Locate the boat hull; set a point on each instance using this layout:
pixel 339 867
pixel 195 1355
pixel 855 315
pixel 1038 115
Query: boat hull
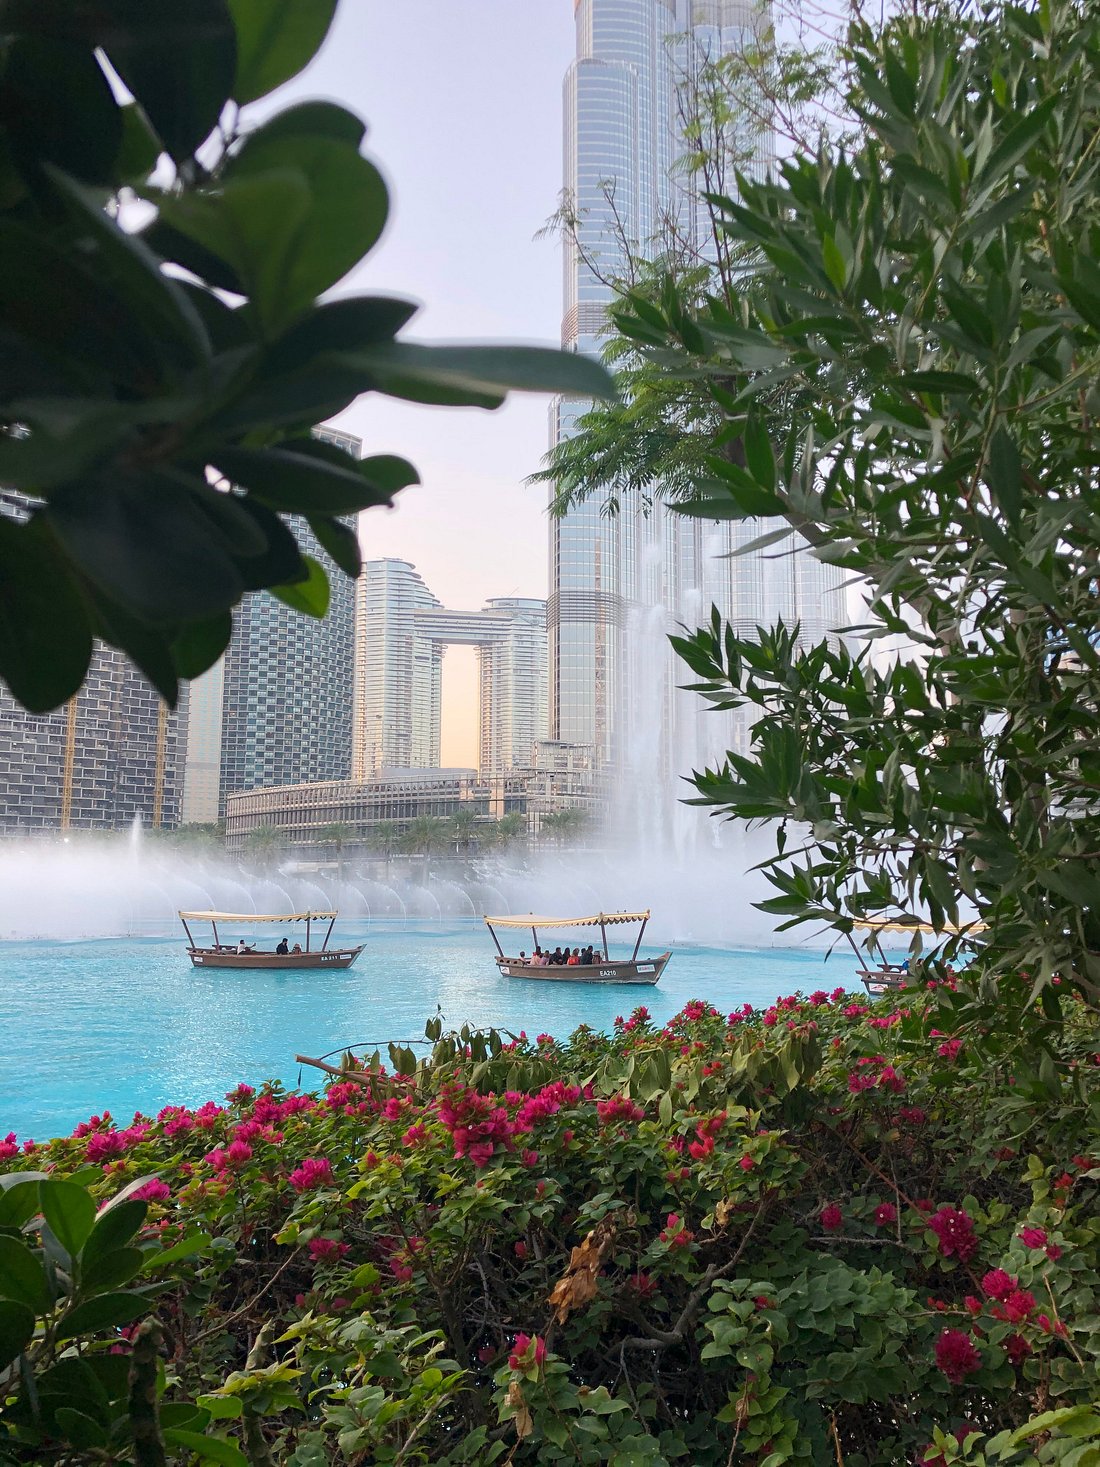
pixel 641 971
pixel 321 958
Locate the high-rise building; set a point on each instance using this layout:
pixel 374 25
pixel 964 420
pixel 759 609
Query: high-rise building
pixel 114 752
pixel 402 633
pixel 286 687
pixel 619 585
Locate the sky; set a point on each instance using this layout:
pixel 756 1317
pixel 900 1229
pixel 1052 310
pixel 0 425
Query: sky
pixel 463 102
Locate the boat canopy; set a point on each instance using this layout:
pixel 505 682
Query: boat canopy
pixel 948 929
pixel 601 919
pixel 258 916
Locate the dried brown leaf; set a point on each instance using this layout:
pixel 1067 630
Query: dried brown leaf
pixel 522 1419
pixel 579 1284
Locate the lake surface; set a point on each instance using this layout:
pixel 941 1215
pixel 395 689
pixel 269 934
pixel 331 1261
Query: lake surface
pixel 129 1025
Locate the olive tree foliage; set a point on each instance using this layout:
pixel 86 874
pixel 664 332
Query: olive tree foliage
pixel 907 379
pixel 166 331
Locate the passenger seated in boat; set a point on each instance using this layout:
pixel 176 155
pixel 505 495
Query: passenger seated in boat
pixel 522 959
pixel 574 958
pixel 241 947
pixel 297 948
pixel 586 956
pixel 283 948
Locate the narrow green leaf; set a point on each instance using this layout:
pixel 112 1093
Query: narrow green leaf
pixel 478 375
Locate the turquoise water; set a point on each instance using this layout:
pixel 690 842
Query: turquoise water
pixel 129 1025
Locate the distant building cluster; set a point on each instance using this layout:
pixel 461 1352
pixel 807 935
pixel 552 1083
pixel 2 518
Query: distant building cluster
pixel 309 724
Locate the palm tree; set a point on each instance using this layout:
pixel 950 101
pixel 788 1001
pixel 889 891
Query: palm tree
pixel 424 835
pixel 264 843
pixel 336 835
pixel 560 825
pixel 509 828
pixel 385 836
pixel 463 823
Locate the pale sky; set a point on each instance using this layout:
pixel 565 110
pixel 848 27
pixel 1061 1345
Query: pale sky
pixel 463 102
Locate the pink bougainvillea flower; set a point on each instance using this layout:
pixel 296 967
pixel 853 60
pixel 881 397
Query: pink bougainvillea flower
pixel 312 1173
pixel 955 1230
pixel 527 1350
pixel 996 1284
pixel 9 1146
pixel 1019 1306
pixel 327 1250
pixel 746 1163
pixel 831 1217
pixel 885 1213
pixel 1017 1349
pixel 957 1356
pixel 1033 1237
pixel 949 1049
pixel 154 1191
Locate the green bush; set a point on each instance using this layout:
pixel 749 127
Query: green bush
pixel 833 1230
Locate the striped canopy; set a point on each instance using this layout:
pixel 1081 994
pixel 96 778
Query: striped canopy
pixel 602 919
pixel 947 930
pixel 257 917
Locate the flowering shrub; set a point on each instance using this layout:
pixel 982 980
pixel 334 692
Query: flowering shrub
pixel 815 1233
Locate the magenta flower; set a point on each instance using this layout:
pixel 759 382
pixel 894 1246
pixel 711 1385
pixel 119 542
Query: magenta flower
pixel 885 1214
pixel 831 1217
pixel 1033 1237
pixel 957 1356
pixel 997 1284
pixel 527 1350
pixel 955 1230
pixel 314 1172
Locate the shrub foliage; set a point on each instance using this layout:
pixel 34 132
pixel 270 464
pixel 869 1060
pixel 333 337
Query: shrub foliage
pixel 830 1230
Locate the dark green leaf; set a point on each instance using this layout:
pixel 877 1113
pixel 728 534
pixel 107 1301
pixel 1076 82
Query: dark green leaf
pixel 146 544
pixel 58 108
pixel 343 325
pixel 147 648
pixel 192 1243
pixel 21 1276
pixel 139 149
pixel 256 224
pixel 275 41
pixel 1003 473
pixel 106 1311
pixel 478 375
pixel 1019 139
pixel 111 1270
pixel 197 646
pixel 19 1197
pixel 758 453
pixel 124 265
pixel 312 120
pixel 310 595
pixel 341 542
pixel 45 637
pixel 346 212
pixel 179 61
pixel 70 1212
pixel 16 1330
pixel 80 1430
pixel 114 1228
pixel 207 1448
pixel 297 478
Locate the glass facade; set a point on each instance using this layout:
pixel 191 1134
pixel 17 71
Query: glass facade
pixel 402 634
pixel 287 681
pixel 620 585
pixel 113 753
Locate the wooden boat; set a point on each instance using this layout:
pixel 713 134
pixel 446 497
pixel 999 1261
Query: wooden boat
pixel 218 954
pixel 608 970
pixel 885 977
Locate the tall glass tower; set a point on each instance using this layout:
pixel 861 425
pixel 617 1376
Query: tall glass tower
pixel 619 585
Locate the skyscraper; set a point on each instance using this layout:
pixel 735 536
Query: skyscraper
pixel 619 585
pixel 402 634
pixel 287 681
pixel 112 753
